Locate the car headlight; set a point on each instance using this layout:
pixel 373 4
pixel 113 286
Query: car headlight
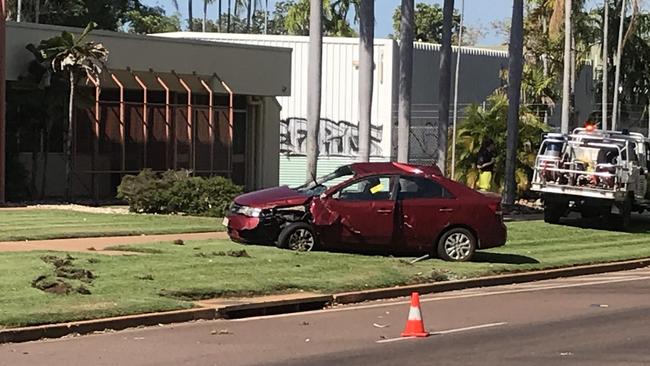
pixel 249 211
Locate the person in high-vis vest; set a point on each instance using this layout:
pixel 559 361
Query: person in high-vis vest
pixel 485 164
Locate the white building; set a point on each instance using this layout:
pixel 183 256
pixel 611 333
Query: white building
pixel 339 110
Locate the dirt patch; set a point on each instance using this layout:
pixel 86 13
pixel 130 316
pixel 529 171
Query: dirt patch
pixel 81 208
pixel 74 273
pixel 146 277
pixel 67 277
pixel 58 262
pixel 52 285
pixel 231 253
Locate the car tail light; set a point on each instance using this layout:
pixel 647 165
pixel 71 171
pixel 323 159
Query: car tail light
pixel 496 208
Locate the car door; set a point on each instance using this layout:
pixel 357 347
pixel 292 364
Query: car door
pixel 425 208
pixel 366 211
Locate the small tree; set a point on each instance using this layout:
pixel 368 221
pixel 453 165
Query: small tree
pixel 71 56
pixel 491 122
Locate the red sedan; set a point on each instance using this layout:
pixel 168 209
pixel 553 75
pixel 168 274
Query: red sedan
pixel 388 207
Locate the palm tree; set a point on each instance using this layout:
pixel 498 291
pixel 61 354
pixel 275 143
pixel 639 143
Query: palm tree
pixel 190 20
pixel 621 46
pixel 566 72
pixel 76 59
pixel 515 70
pixel 366 63
pixel 205 14
pixel 405 80
pixel 444 83
pixel 605 62
pixel 228 26
pixel 314 84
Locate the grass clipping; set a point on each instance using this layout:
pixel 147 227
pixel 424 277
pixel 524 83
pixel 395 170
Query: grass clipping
pixel 66 278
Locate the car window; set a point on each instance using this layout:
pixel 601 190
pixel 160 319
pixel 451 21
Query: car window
pixel 417 187
pixel 367 189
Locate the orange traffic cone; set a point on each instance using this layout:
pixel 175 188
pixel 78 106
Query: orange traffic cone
pixel 414 324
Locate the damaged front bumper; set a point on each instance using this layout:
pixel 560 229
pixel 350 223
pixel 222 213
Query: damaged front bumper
pixel 245 229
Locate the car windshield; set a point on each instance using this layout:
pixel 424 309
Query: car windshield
pixel 320 185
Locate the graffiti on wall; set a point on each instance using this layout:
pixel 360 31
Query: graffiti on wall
pixel 335 138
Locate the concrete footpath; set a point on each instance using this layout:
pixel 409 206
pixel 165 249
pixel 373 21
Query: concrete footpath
pixel 99 244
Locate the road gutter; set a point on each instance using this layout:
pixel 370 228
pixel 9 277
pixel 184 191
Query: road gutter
pixel 307 303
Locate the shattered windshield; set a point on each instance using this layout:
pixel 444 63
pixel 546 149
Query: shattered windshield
pixel 320 185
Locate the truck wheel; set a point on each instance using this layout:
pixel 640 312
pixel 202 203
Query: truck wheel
pixel 552 214
pixel 622 220
pixel 298 236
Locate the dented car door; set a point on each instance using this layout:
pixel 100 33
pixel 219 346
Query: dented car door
pixel 426 208
pixel 360 213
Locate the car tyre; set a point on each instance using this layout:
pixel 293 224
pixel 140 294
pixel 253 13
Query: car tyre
pixel 552 214
pixel 298 236
pixel 456 245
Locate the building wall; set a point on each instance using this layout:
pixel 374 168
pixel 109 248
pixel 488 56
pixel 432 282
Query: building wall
pixel 264 71
pixel 339 108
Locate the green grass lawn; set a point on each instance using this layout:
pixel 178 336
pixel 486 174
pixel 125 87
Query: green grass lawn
pixel 165 276
pixel 51 224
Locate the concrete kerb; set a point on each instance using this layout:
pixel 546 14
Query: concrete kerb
pixel 26 334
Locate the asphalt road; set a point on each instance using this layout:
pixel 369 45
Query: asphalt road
pixel 592 320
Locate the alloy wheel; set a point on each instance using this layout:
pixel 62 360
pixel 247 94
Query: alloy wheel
pixel 301 240
pixel 458 246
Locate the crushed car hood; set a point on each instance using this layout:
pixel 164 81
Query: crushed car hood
pixel 271 197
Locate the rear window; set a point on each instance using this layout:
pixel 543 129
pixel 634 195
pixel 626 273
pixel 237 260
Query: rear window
pixel 418 187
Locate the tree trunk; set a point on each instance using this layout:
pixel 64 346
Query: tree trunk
pixel 248 16
pixel 605 63
pixel 229 15
pixel 219 17
pixel 37 11
pixel 205 15
pixel 515 69
pixel 46 154
pixel 314 84
pixel 444 83
pixel 617 70
pixel 36 148
pixel 366 65
pixel 405 80
pixel 68 142
pixel 566 77
pixel 572 81
pixel 266 16
pixel 456 79
pixel 190 20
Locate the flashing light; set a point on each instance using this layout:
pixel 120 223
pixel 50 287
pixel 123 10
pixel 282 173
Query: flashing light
pixel 590 127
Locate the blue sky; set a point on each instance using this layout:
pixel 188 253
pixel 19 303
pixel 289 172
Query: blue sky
pixel 479 13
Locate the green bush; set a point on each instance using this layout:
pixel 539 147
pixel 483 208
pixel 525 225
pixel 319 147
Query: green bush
pixel 175 192
pixel 490 121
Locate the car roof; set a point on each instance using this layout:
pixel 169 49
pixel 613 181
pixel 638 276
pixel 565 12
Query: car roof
pixel 394 168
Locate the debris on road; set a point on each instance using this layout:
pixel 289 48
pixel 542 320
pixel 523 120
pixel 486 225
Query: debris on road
pixel 426 256
pixel 220 332
pixel 380 325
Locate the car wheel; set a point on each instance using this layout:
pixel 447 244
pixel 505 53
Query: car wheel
pixel 298 236
pixel 552 214
pixel 457 245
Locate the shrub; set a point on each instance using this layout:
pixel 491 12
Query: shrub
pixel 490 121
pixel 174 192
